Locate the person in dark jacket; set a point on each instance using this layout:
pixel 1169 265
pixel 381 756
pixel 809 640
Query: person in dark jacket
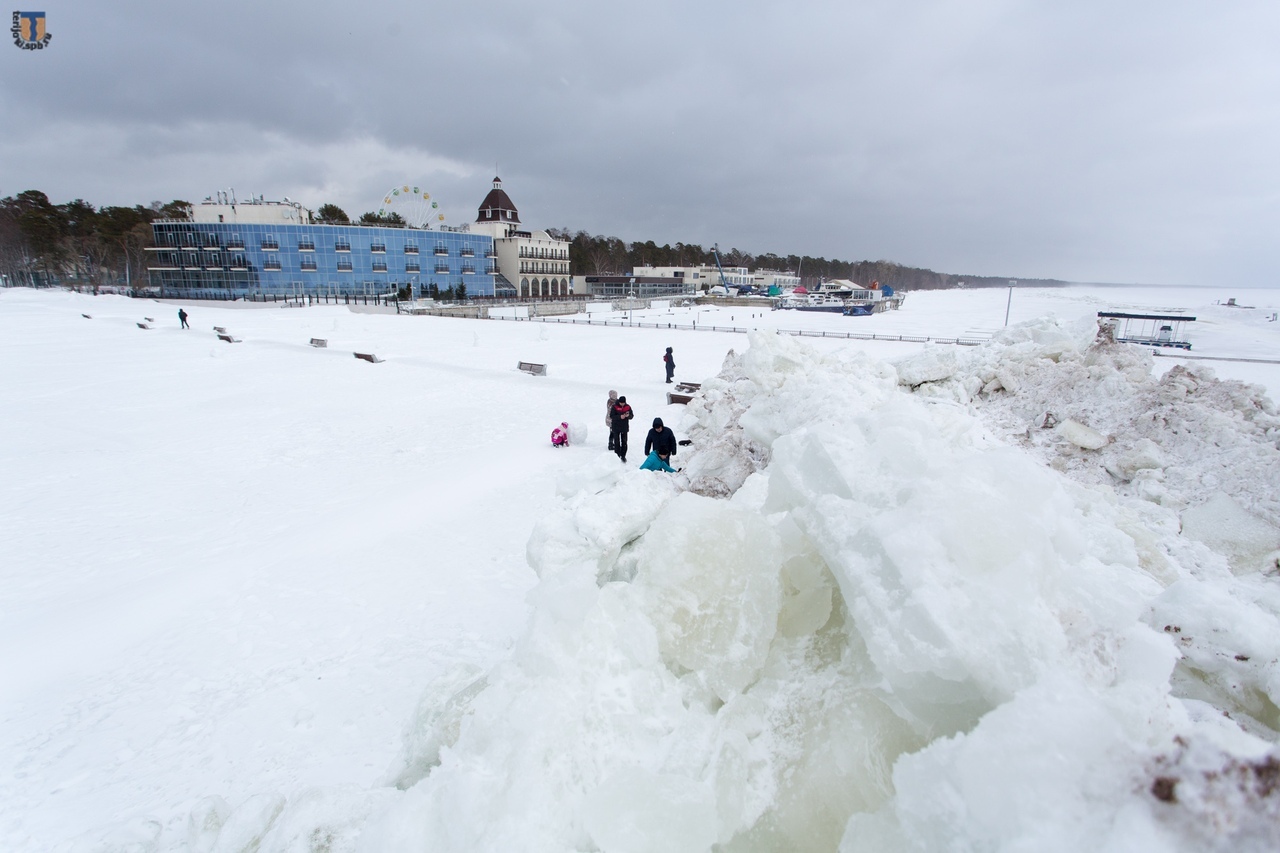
pixel 661 441
pixel 671 364
pixel 620 426
pixel 182 317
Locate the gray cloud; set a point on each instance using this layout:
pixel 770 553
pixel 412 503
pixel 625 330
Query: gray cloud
pixel 1090 141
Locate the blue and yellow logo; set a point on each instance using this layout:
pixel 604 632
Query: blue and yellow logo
pixel 30 31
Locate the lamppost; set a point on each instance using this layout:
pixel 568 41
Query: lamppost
pixel 631 300
pixel 1009 304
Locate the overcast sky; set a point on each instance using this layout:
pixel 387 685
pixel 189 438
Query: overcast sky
pixel 1134 141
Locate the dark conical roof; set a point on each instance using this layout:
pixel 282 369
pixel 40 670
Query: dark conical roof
pixel 497 206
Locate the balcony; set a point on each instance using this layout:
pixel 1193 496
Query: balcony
pixel 378 248
pixel 271 266
pixel 308 265
pixel 235 245
pixel 442 269
pixel 379 266
pixel 411 250
pixel 468 270
pixel 468 253
pixel 270 246
pixel 490 253
pixel 344 266
pixel 490 269
pixel 306 246
pixel 442 250
pixel 412 267
pixel 342 246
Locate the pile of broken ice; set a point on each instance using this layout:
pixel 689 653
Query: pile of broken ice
pixel 882 608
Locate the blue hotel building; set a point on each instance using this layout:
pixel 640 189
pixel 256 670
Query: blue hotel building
pixel 281 258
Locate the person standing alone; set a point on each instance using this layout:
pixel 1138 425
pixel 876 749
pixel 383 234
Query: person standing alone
pixel 182 318
pixel 620 425
pixel 671 364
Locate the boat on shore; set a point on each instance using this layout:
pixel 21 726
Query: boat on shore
pixel 840 296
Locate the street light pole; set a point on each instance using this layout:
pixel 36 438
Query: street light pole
pixel 1009 304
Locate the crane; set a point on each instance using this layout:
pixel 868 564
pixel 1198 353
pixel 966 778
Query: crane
pixel 715 248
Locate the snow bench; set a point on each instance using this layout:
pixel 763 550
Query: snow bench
pixel 228 339
pixel 368 356
pixel 531 368
pixel 144 326
pixel 220 330
pixel 319 342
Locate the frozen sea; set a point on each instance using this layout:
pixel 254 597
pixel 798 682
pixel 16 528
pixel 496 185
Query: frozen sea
pixel 903 596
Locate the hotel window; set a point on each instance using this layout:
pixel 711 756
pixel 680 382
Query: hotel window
pixel 379 266
pixel 379 248
pixel 270 244
pixel 412 266
pixel 342 245
pixel 344 265
pixel 411 248
pixel 306 245
pixel 308 264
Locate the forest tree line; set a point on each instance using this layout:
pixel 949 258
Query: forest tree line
pixel 46 243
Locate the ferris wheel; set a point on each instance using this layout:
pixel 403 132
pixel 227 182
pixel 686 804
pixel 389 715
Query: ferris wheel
pixel 415 206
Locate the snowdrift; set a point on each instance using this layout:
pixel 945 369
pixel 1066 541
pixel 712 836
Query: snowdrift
pixel 884 607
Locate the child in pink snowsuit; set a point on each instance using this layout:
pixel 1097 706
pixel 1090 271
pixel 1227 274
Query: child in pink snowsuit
pixel 560 436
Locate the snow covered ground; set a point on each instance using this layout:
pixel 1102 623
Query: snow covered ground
pixel 262 595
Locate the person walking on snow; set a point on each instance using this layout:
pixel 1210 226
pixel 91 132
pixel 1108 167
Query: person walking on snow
pixel 659 447
pixel 182 317
pixel 621 424
pixel 671 364
pixel 608 417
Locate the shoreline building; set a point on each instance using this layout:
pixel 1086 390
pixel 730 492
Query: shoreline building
pixel 700 277
pixel 531 264
pixel 633 286
pixel 274 248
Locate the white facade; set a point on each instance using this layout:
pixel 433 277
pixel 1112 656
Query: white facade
pixel 535 262
pixel 764 279
pixel 708 275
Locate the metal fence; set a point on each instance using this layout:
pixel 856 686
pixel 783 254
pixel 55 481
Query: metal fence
pixel 696 327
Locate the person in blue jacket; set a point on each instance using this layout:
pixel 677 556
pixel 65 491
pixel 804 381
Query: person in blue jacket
pixel 659 447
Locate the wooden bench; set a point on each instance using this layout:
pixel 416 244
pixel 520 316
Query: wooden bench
pixel 228 339
pixel 319 342
pixel 144 326
pixel 220 330
pixel 683 393
pixel 532 369
pixel 370 357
